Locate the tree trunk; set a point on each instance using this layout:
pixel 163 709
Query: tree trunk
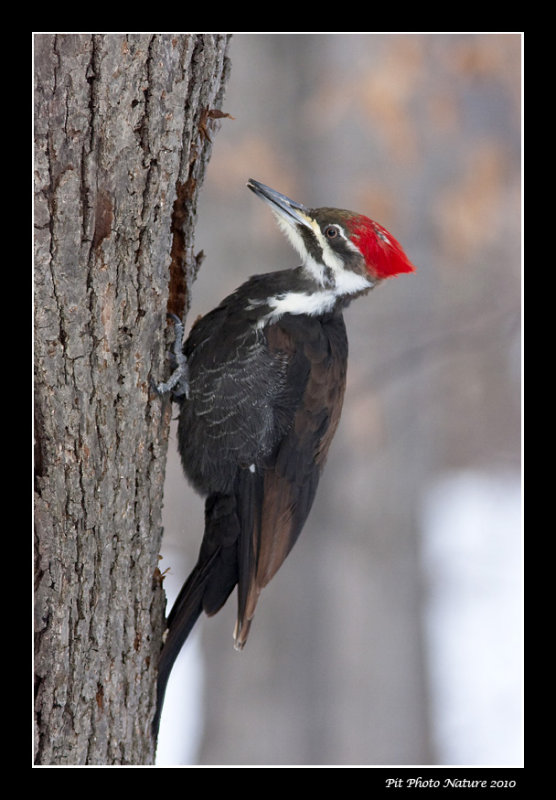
pixel 122 140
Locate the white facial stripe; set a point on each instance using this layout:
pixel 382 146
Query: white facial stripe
pixel 317 270
pixel 291 232
pixel 345 281
pixel 330 258
pixel 352 246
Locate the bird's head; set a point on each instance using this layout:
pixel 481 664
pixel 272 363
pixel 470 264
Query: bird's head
pixel 343 251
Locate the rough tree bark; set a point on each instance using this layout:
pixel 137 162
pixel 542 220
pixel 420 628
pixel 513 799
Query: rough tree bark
pixel 122 141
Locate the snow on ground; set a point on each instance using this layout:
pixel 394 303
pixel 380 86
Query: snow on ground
pixel 472 559
pixel 182 715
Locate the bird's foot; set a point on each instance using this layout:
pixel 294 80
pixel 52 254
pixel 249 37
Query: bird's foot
pixel 178 382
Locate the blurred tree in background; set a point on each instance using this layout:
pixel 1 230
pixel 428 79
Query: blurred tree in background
pixel 421 132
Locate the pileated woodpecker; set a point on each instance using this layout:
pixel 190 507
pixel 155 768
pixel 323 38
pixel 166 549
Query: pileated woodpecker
pixel 260 381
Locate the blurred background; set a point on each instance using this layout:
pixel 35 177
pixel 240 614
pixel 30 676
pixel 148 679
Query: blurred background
pixel 392 634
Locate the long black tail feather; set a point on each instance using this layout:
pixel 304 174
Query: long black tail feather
pixel 206 589
pixel 183 616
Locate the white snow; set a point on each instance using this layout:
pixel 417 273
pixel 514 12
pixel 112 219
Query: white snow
pixel 182 715
pixel 472 559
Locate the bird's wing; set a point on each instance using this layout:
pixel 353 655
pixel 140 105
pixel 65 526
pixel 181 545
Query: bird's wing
pixel 308 413
pixel 228 420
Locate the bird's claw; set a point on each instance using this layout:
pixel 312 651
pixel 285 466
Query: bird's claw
pixel 178 382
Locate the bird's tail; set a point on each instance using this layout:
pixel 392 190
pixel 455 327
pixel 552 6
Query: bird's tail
pixel 183 616
pixel 206 589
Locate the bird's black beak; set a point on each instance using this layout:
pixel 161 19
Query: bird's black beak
pixel 285 208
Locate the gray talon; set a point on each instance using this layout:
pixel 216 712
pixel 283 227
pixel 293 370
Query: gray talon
pixel 178 382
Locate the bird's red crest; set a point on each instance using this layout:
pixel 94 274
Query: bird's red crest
pixel 383 255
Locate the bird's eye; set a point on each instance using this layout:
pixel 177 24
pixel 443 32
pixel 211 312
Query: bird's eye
pixel 331 232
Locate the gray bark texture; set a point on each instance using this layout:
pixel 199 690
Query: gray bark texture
pixel 123 127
